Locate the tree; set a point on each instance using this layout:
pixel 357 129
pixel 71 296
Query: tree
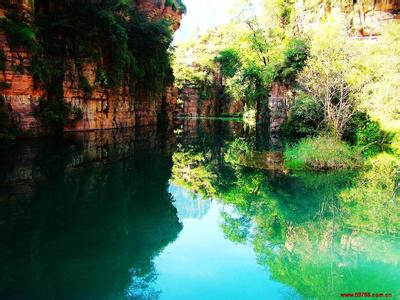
pixel 379 78
pixel 327 73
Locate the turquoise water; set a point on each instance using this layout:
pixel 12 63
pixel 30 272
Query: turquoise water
pixel 215 261
pixel 157 214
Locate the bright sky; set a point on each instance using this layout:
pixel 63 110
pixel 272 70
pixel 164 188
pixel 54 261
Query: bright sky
pixel 202 15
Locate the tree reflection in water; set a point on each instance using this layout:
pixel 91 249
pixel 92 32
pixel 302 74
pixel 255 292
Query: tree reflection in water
pixel 322 233
pixel 86 218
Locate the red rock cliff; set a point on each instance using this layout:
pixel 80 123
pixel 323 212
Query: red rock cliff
pixel 104 109
pixel 157 9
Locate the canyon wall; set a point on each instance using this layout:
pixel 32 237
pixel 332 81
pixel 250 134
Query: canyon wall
pixel 193 105
pixel 20 93
pixel 364 17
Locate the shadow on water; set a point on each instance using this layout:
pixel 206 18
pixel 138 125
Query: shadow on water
pixel 82 218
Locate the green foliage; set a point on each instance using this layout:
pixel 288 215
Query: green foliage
pixel 327 75
pixel 77 113
pixel 236 149
pixel 301 221
pixel 250 84
pixel 148 43
pixel 322 153
pixel 192 170
pixel 235 229
pixel 295 59
pixel 284 12
pixel 305 118
pixel 204 91
pixel 249 54
pixel 281 13
pixel 85 86
pixel 176 5
pixel 229 62
pixel 54 114
pixel 193 63
pixel 126 48
pixel 378 78
pixel 19 33
pixel 368 135
pixel 101 78
pixel 134 48
pixel 334 76
pixel 372 203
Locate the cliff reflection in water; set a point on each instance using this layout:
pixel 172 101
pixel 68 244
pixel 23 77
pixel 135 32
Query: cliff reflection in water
pixel 100 216
pixel 83 218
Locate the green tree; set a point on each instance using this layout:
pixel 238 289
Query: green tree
pixel 326 75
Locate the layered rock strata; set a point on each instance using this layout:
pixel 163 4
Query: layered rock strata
pixel 104 109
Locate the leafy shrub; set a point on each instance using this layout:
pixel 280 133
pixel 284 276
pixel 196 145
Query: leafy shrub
pixel 77 112
pixel 19 33
pixel 205 91
pixel 250 84
pixel 229 61
pixel 326 75
pixel 85 86
pixel 395 144
pixel 148 43
pixel 54 114
pixel 296 56
pixel 305 118
pixel 322 153
pixel 367 135
pixel 236 149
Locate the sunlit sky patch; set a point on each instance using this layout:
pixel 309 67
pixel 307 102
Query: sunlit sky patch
pixel 202 15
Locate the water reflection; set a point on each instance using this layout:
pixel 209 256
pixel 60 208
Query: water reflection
pixel 84 220
pixel 189 205
pixel 203 264
pixel 306 228
pixel 205 212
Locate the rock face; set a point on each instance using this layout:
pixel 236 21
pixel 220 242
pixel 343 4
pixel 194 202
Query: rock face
pixel 18 90
pixel 103 109
pixel 191 102
pixel 213 106
pixel 157 9
pixel 277 106
pixel 364 17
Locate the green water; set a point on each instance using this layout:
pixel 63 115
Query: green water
pixel 158 214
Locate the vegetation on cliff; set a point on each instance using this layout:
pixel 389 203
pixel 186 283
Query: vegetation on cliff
pixel 126 49
pixel 176 5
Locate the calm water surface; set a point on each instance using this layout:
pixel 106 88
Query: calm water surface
pixel 162 214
